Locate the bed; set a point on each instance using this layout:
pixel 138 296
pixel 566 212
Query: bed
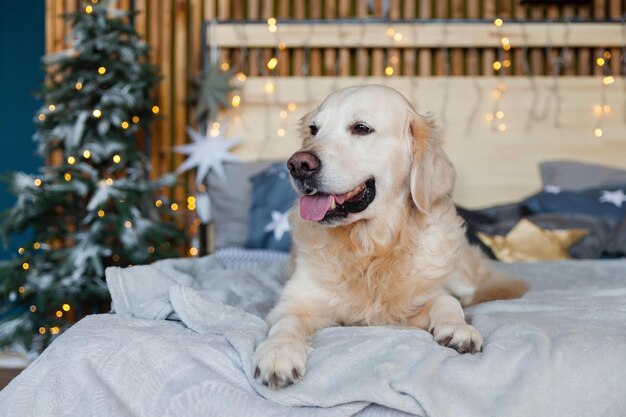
pixel 182 336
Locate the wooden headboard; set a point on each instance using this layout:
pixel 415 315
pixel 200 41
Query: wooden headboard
pixel 496 128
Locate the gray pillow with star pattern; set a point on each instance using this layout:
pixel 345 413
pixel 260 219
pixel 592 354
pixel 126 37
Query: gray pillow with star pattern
pixel 606 202
pixel 272 198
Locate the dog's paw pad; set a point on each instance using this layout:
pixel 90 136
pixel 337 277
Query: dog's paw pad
pixel 461 337
pixel 279 363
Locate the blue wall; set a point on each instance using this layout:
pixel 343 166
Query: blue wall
pixel 22 43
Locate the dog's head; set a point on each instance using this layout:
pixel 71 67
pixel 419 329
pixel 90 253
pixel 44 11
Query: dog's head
pixel 365 151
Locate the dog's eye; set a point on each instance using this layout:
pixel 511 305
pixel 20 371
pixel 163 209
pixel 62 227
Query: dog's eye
pixel 361 129
pixel 313 130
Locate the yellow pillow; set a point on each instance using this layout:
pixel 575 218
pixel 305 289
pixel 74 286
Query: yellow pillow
pixel 529 242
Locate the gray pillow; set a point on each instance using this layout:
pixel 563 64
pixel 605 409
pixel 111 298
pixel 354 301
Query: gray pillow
pixel 231 200
pixel 578 176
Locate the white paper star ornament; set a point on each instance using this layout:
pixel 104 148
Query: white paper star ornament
pixel 615 197
pixel 206 154
pixel 279 224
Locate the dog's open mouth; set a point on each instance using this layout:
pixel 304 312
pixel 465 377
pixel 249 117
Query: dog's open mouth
pixel 327 207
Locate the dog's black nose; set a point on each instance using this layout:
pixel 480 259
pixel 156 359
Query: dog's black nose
pixel 303 165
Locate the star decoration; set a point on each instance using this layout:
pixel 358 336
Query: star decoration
pixel 553 189
pixel 212 92
pixel 615 197
pixel 279 224
pixel 529 242
pixel 206 153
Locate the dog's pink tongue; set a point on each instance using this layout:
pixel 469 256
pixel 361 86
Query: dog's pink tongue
pixel 314 207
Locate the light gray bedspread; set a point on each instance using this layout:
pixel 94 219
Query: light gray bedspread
pixel 558 351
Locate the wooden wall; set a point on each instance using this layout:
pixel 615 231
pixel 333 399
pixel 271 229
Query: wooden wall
pixel 174 29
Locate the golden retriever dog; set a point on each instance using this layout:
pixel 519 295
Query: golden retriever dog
pixel 376 236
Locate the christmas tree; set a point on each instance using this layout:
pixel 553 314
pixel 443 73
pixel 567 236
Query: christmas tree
pixel 97 207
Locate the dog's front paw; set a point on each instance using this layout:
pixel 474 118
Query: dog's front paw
pixel 279 362
pixel 460 336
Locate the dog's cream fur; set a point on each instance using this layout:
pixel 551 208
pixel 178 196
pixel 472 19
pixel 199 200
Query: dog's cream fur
pixel 402 261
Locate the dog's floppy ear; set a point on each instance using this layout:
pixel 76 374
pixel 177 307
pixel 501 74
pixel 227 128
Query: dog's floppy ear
pixel 432 175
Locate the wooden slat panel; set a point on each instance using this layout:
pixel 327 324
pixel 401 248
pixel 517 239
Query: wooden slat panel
pixel 464 35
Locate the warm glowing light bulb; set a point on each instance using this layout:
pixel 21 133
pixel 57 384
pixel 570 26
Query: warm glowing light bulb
pixel 42 117
pixel 390 31
pixel 109 181
pixel 225 66
pixel 42 330
pixel 102 70
pixel 608 80
pixel 191 199
pixel 271 21
pixel 71 160
pixel 174 206
pixel 59 313
pixel 33 309
pixel 505 41
pixel 283 114
pixel 25 266
pixel 78 85
pixel 52 107
pixel 193 251
pixel 280 132
pixel 117 159
pixel 87 154
pixel 397 37
pixel 502 127
pixel 97 113
pixel 101 213
pixel 36 245
pixel 37 182
pixel 128 224
pixel 506 63
pixel 125 125
pixel 498 22
pixel 241 76
pixel 389 71
pixel 282 46
pixel 155 109
pixel 88 9
pixel 66 307
pixel 497 65
pixel 488 117
pixel 292 106
pixel 598 132
pixel 597 109
pixel 158 203
pixel 606 108
pixel 500 114
pixel 600 61
pixel 236 101
pixel 20 251
pixel 67 176
pixel 607 54
pixel 272 63
pixel 135 119
pixel 21 290
pixel 54 330
pixel 269 87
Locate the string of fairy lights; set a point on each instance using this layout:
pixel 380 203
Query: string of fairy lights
pixel 503 60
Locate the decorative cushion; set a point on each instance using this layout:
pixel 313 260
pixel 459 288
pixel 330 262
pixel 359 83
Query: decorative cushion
pixel 231 200
pixel 529 242
pixel 593 245
pixel 606 202
pixel 272 198
pixel 577 176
